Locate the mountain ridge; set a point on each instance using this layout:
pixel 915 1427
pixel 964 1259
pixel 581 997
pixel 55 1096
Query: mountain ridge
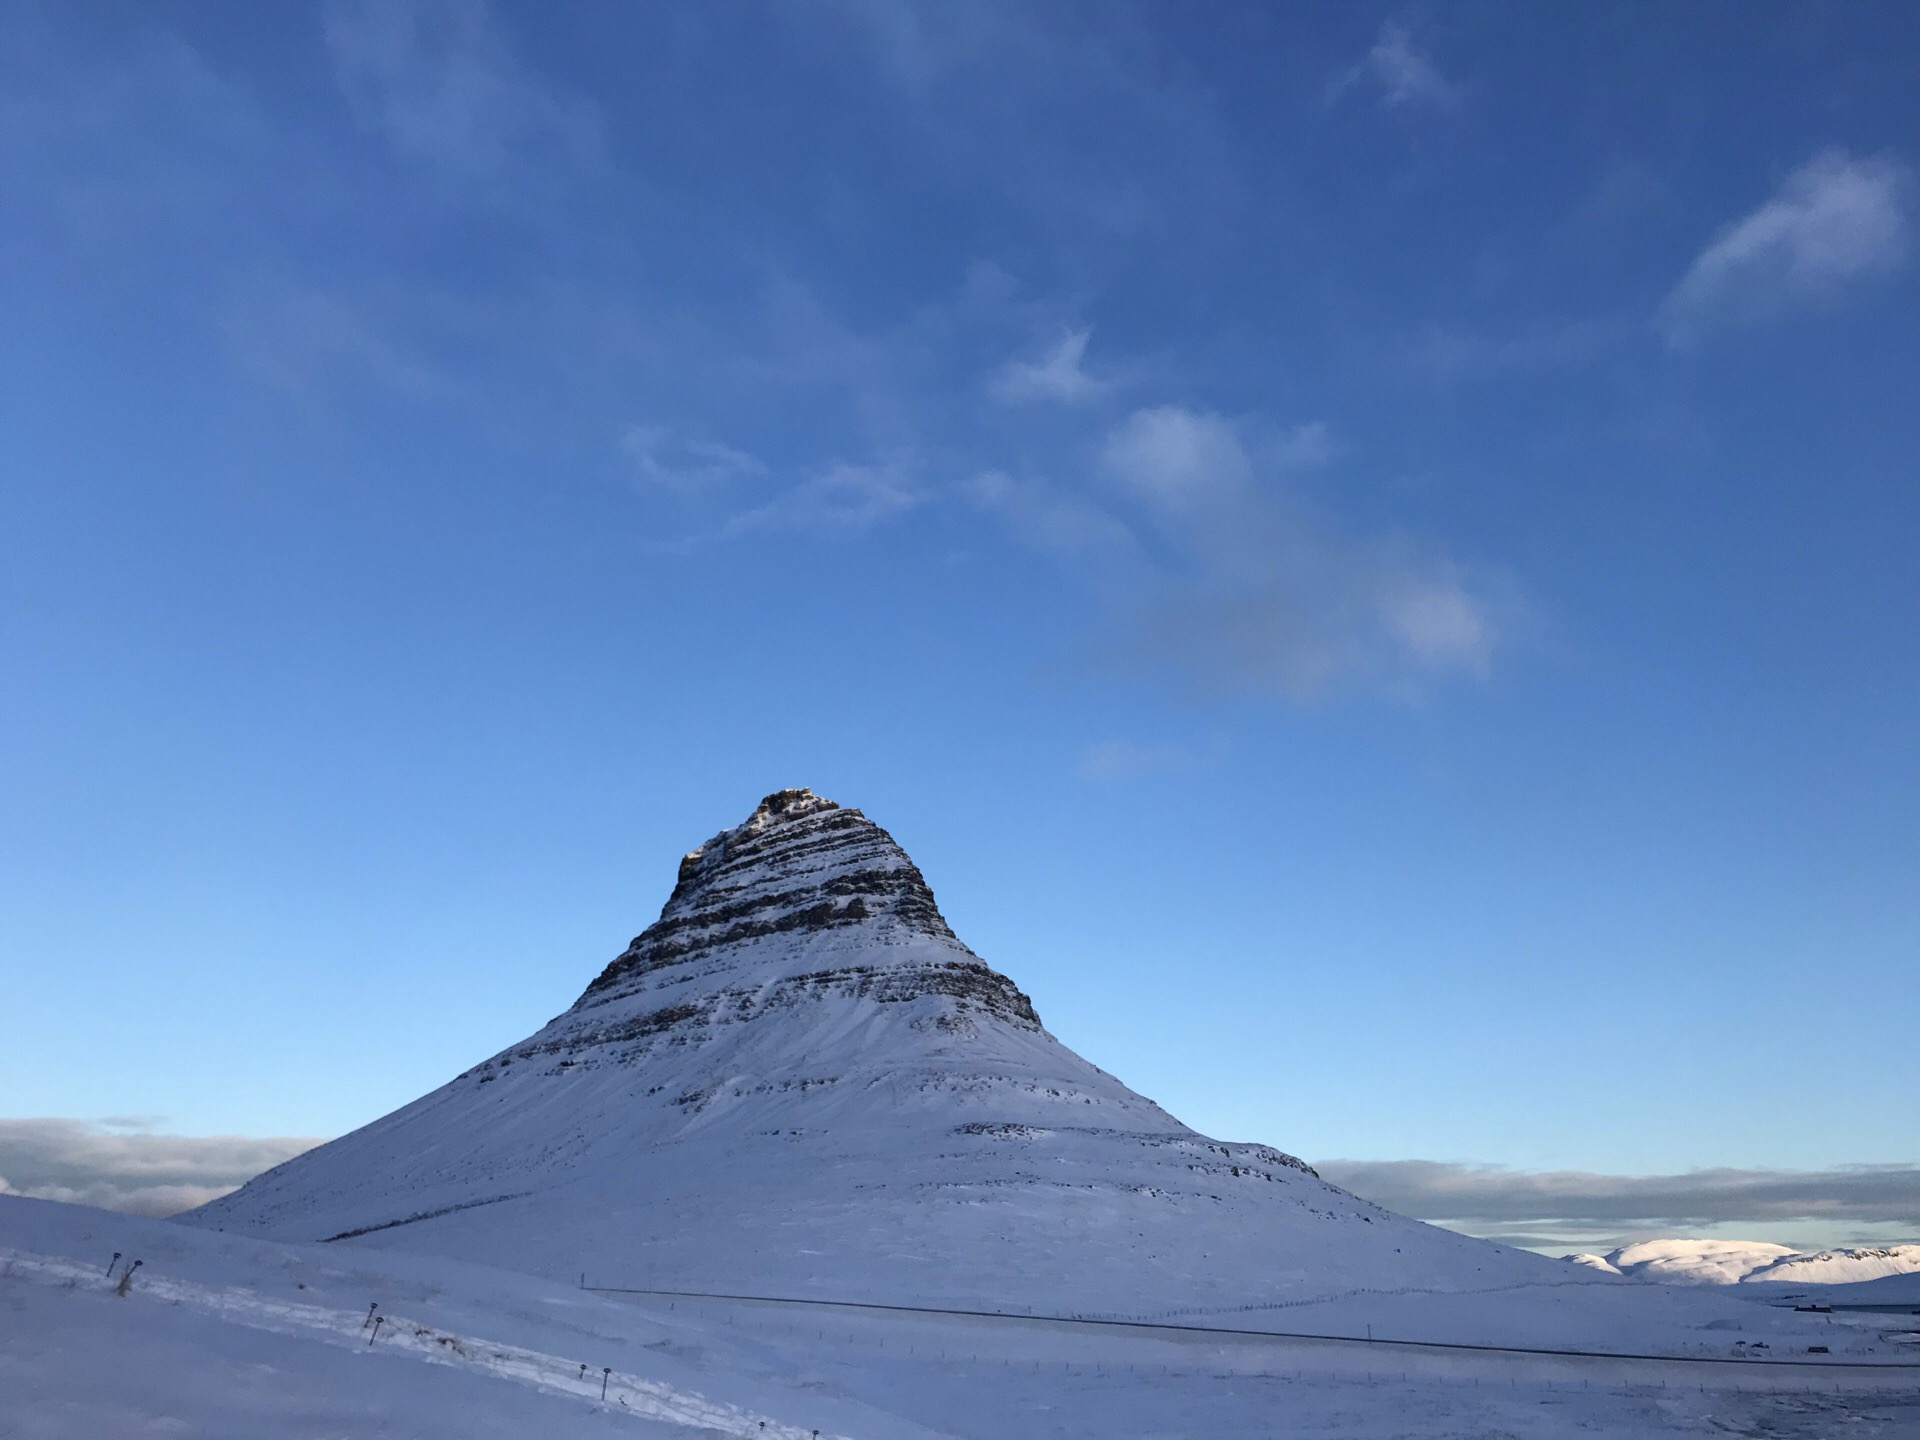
pixel 1750 1262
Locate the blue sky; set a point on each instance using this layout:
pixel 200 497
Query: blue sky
pixel 1367 551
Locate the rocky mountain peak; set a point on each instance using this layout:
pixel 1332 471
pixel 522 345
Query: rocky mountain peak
pixel 782 806
pixel 799 865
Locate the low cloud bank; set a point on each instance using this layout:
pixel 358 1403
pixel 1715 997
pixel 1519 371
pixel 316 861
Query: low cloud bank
pixel 1559 1209
pixel 123 1165
pixel 126 1164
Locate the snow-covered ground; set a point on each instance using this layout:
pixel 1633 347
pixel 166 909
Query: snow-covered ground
pixel 1729 1262
pixel 225 1336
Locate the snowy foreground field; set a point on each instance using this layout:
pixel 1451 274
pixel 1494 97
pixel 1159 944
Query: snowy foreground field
pixel 220 1336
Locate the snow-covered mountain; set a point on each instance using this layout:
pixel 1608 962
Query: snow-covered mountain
pixel 798 1081
pixel 1729 1262
pixel 1686 1262
pixel 1839 1267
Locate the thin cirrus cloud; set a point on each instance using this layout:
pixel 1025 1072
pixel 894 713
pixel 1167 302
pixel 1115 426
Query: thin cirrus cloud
pixel 125 1165
pixel 1836 222
pixel 841 499
pixel 662 458
pixel 1126 760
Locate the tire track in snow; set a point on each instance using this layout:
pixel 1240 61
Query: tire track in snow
pixel 554 1374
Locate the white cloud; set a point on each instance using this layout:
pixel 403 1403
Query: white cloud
pixel 1059 374
pixel 1179 459
pixel 1256 592
pixel 1834 222
pixel 121 1165
pixel 1403 75
pixel 663 459
pixel 437 79
pixel 1436 622
pixel 843 499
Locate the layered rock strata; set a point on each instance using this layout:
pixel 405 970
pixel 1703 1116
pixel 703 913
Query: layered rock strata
pixel 801 865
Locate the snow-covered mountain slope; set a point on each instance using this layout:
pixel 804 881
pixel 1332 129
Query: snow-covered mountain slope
pixel 1728 1262
pixel 224 1335
pixel 799 1082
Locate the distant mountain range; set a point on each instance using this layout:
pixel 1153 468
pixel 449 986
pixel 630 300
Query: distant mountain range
pixel 1743 1262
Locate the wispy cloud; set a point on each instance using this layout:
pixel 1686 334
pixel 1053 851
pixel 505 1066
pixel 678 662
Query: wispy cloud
pixel 123 1165
pixel 986 86
pixel 662 458
pixel 1115 760
pixel 1835 222
pixel 1400 73
pixel 436 78
pixel 1059 374
pixel 842 499
pixel 1051 518
pixel 1855 1204
pixel 310 341
pixel 1442 356
pixel 1218 574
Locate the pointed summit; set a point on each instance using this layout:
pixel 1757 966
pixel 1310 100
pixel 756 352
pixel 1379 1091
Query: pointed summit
pixel 802 866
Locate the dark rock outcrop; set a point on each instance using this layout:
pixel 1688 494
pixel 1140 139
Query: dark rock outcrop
pixel 803 864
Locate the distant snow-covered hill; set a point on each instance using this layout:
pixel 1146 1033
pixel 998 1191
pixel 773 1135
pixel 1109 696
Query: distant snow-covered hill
pixel 799 1081
pixel 1840 1267
pixel 1730 1262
